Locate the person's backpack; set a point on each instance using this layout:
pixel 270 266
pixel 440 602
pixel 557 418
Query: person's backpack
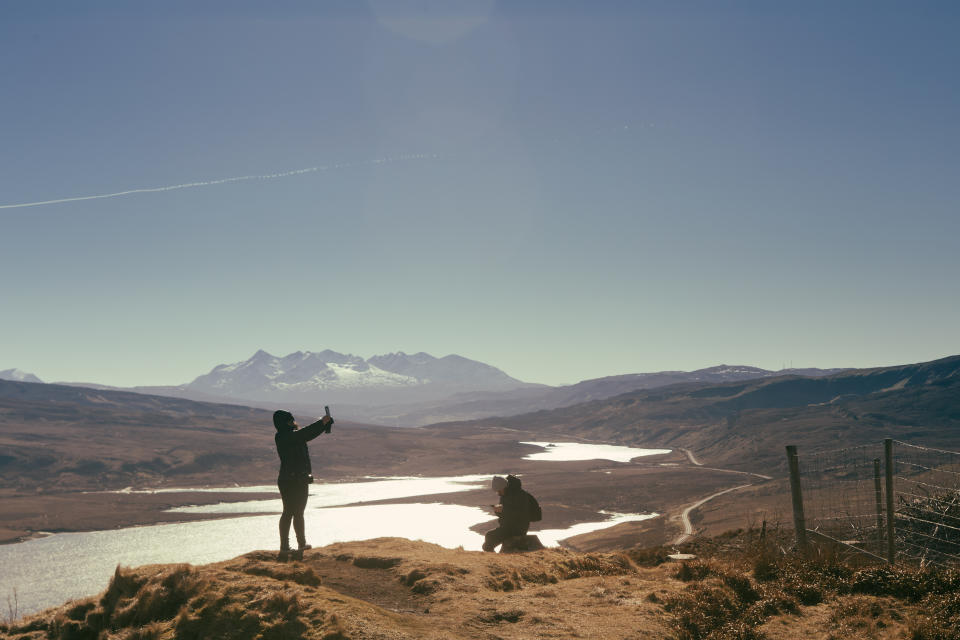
pixel 533 508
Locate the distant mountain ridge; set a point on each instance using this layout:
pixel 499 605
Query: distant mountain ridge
pixel 18 375
pixel 304 375
pixel 740 424
pixel 399 389
pixel 482 404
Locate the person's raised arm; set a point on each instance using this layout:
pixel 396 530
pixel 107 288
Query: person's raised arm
pixel 312 431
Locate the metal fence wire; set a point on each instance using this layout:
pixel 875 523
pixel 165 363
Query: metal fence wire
pixel 926 504
pixel 847 494
pixel 842 496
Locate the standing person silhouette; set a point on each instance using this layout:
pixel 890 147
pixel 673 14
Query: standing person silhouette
pixel 295 474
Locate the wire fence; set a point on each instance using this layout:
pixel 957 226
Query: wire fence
pixel 847 495
pixel 927 504
pixel 842 496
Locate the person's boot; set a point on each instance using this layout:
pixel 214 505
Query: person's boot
pixel 301 547
pixel 285 552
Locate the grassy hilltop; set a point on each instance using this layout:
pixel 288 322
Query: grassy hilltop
pixel 741 586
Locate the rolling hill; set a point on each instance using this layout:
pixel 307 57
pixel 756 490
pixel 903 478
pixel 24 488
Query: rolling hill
pixel 746 424
pixel 54 435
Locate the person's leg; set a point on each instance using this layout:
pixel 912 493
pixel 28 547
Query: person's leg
pixel 300 504
pixel 493 538
pixel 286 497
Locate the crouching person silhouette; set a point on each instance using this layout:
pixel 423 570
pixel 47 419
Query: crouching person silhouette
pixel 516 510
pixel 295 475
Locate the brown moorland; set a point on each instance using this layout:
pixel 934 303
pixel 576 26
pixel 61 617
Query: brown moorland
pixel 745 425
pixel 740 586
pixel 68 450
pixel 61 442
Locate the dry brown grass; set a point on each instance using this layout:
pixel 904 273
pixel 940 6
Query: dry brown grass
pixel 397 589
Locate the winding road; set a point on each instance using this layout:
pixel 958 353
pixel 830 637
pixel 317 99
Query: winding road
pixel 685 514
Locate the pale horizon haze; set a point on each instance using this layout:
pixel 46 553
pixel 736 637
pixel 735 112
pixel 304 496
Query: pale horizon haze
pixel 563 190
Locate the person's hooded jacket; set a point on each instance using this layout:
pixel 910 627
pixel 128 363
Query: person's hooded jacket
pixel 515 514
pixel 292 449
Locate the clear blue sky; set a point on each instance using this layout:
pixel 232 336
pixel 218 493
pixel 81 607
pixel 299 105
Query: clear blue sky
pixel 606 187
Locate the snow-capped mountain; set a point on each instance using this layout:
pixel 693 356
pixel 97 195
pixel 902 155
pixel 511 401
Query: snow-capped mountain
pixel 449 370
pixel 303 375
pixel 18 375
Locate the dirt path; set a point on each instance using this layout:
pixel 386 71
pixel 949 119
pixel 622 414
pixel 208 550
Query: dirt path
pixel 694 461
pixel 743 473
pixel 685 515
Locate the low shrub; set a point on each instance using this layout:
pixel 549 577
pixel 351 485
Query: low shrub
pixel 940 618
pixel 649 557
pixel 691 571
pixel 590 564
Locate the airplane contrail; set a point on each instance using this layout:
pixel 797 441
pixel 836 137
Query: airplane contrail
pixel 208 183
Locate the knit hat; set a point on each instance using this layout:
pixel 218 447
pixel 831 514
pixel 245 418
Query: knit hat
pixel 498 484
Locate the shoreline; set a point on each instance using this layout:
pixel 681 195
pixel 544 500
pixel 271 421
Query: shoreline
pixel 160 514
pixel 569 497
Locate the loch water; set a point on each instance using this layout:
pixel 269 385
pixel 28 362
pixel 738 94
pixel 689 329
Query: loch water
pixel 48 571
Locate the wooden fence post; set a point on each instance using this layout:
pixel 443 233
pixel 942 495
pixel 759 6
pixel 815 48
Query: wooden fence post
pixel 888 463
pixel 879 495
pixel 799 523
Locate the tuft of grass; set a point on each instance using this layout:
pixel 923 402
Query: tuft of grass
pixel 807 593
pixel 333 629
pixel 765 567
pixel 212 615
pixel 36 625
pixel 285 604
pixel 592 564
pixel 757 579
pixel 376 562
pixel 299 573
pixel 649 557
pixel 426 587
pixel 63 628
pixel 503 580
pixel 940 619
pixel 741 587
pixel 124 584
pixel 131 601
pixel 80 610
pixel 722 603
pixel 533 576
pixel 161 598
pixel 693 571
pixel 413 576
pixel 495 617
pixel 905 583
pixel 283 612
pixel 511 616
pixel 702 609
pixel 152 631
